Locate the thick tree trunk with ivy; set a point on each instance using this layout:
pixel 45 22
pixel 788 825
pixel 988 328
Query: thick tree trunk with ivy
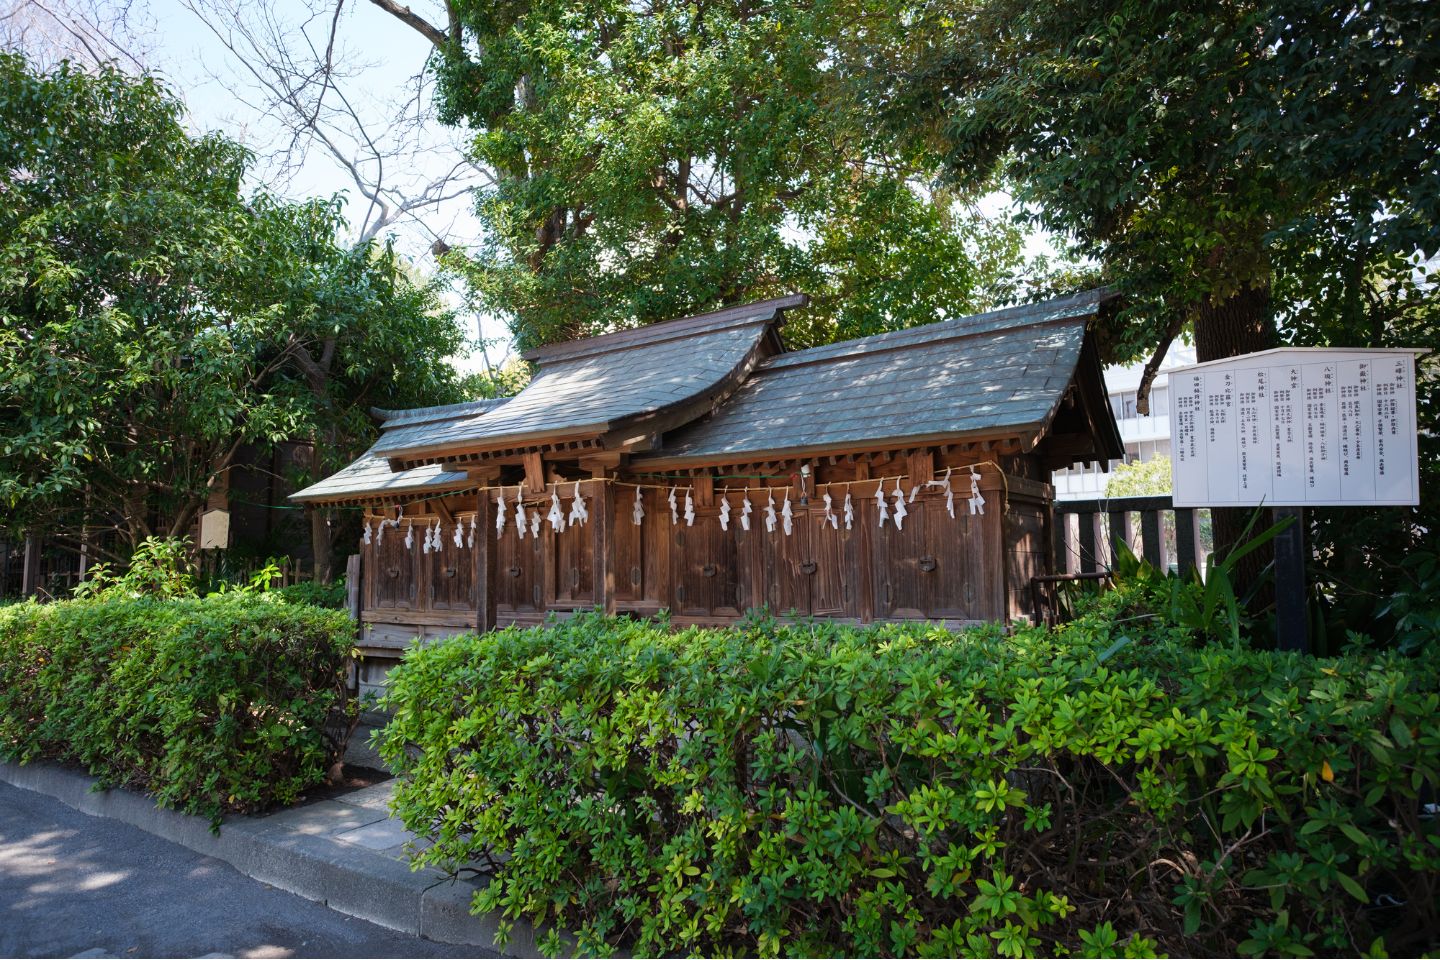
pixel 1243 323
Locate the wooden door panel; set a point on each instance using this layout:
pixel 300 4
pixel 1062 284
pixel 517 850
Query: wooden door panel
pixel 395 570
pixel 641 552
pixel 950 563
pixel 452 572
pixel 573 569
pixel 936 567
pixel 748 567
pixel 987 554
pixel 518 566
pixel 787 566
pixel 1024 554
pixel 370 572
pixel 835 553
pixel 902 589
pixel 629 549
pixel 706 567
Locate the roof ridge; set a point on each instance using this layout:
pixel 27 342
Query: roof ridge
pixel 388 413
pixel 1035 314
pixel 651 333
pixel 395 418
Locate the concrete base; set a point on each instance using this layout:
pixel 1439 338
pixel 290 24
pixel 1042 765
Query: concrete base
pixel 348 853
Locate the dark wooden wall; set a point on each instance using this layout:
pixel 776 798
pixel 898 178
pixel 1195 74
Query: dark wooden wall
pixel 960 570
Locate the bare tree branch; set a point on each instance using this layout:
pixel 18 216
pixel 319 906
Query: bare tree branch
pixel 312 91
pixel 407 16
pixel 90 32
pixel 1152 366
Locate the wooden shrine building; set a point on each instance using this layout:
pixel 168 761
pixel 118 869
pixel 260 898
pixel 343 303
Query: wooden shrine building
pixel 700 467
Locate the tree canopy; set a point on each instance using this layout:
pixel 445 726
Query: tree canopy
pixel 154 318
pixel 657 160
pixel 1140 479
pixel 1248 172
pixel 1210 157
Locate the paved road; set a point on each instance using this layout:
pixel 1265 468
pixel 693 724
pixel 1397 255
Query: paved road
pixel 74 884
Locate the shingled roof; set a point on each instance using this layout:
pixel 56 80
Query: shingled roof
pixel 371 477
pixel 1002 372
pixel 641 381
pixel 716 389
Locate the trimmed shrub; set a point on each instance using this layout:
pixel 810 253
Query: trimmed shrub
pixel 223 704
pixel 1102 789
pixel 328 595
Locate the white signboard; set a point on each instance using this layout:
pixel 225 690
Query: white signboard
pixel 215 530
pixel 1296 427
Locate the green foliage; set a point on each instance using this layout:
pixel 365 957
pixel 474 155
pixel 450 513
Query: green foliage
pixel 1208 606
pixel 329 595
pixel 153 319
pixel 1141 479
pixel 1249 172
pixel 1197 152
pixel 1107 788
pixel 503 381
pixel 1374 568
pixel 226 704
pixel 165 569
pixel 158 568
pixel 656 161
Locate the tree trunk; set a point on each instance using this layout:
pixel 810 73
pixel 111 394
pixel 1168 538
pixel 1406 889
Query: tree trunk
pixel 1242 324
pixel 320 544
pixel 327 439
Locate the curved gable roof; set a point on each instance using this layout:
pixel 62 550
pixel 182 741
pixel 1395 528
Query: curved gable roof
pixel 653 377
pixel 370 476
pixel 1002 372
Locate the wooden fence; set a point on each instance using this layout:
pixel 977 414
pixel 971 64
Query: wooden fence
pixel 1087 532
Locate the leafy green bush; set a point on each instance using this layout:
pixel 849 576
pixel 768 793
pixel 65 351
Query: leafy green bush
pixel 328 595
pixel 1149 478
pixel 229 703
pixel 165 568
pixel 1208 606
pixel 1105 788
pixel 159 567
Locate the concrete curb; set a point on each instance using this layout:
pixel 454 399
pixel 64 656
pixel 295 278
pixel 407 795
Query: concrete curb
pixel 298 851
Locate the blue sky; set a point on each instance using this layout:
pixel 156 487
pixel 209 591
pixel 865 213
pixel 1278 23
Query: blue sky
pixel 215 87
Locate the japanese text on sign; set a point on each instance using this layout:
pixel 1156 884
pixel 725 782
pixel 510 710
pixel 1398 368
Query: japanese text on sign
pixel 1296 427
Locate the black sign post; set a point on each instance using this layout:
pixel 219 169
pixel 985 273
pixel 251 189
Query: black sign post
pixel 1292 624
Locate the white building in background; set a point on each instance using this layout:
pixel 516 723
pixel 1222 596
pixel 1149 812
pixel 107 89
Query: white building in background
pixel 1145 437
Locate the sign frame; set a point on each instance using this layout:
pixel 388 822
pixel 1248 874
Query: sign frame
pixel 1222 472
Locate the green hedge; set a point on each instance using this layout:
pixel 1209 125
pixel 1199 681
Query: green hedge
pixel 329 595
pixel 228 703
pixel 1103 789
